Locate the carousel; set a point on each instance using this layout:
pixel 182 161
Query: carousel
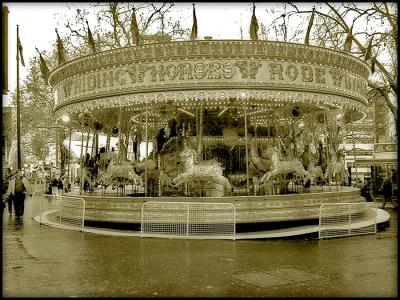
pixel 257 124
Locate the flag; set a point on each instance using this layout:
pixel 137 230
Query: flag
pixel 43 68
pixel 254 25
pixel 310 24
pixel 20 51
pixel 60 50
pixel 368 51
pixel 193 34
pixel 134 28
pixel 349 40
pixel 92 45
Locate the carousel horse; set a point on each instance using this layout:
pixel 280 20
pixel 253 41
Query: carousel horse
pixel 260 163
pixel 140 166
pixel 87 178
pixel 322 158
pixel 336 169
pixel 122 170
pixel 284 167
pixel 105 158
pixel 204 169
pixel 315 172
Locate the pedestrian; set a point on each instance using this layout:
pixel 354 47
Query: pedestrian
pixel 60 186
pixel 387 193
pixel 10 196
pixel 7 196
pixel 17 188
pixel 365 192
pixel 54 187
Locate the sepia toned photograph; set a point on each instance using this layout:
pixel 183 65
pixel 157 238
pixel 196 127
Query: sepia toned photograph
pixel 199 149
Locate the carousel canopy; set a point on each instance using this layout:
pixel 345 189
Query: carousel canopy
pixel 155 82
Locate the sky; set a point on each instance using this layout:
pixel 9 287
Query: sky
pixel 37 23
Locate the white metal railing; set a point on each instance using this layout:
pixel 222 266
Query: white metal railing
pixel 188 219
pixel 345 219
pixel 64 210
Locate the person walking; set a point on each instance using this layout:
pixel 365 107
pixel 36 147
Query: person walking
pixel 365 192
pixel 17 188
pixel 387 193
pixel 54 187
pixel 8 196
pixel 60 185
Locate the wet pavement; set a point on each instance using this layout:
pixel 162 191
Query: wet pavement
pixel 42 261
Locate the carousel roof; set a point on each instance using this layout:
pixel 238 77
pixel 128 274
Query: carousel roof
pixel 157 82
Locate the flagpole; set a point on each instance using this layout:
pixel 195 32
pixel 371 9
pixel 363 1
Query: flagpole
pixel 18 109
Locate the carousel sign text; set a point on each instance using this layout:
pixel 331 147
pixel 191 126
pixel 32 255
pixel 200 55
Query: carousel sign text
pixel 137 76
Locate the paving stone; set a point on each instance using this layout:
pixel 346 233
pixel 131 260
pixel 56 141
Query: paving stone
pixel 261 279
pixel 294 274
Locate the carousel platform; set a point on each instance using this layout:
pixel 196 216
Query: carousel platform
pixel 255 217
pixel 382 218
pixel 109 206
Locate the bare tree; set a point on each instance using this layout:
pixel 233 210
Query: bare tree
pixel 113 23
pixel 371 22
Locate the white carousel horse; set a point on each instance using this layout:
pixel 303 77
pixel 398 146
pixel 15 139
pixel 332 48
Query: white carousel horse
pixel 105 158
pixel 337 169
pixel 260 163
pixel 315 172
pixel 205 169
pixel 119 171
pixel 140 166
pixel 284 166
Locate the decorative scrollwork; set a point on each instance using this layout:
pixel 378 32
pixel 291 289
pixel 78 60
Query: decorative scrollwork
pixel 248 69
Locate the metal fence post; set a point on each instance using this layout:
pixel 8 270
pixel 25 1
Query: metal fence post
pixel 234 222
pixel 320 221
pixel 83 213
pixel 60 207
pixel 142 221
pixel 349 219
pixel 40 209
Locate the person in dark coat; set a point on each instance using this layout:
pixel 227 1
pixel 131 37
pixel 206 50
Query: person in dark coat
pixel 387 193
pixel 365 192
pixel 8 196
pixel 18 187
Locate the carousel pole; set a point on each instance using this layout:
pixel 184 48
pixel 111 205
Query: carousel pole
pixel 81 159
pixel 108 138
pixel 57 145
pixel 87 150
pixel 93 143
pixel 154 141
pixel 328 160
pixel 200 150
pixel 119 133
pixel 186 184
pixel 147 149
pixel 69 152
pixel 246 150
pixel 159 177
pixel 354 146
pixel 198 128
pixel 87 142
